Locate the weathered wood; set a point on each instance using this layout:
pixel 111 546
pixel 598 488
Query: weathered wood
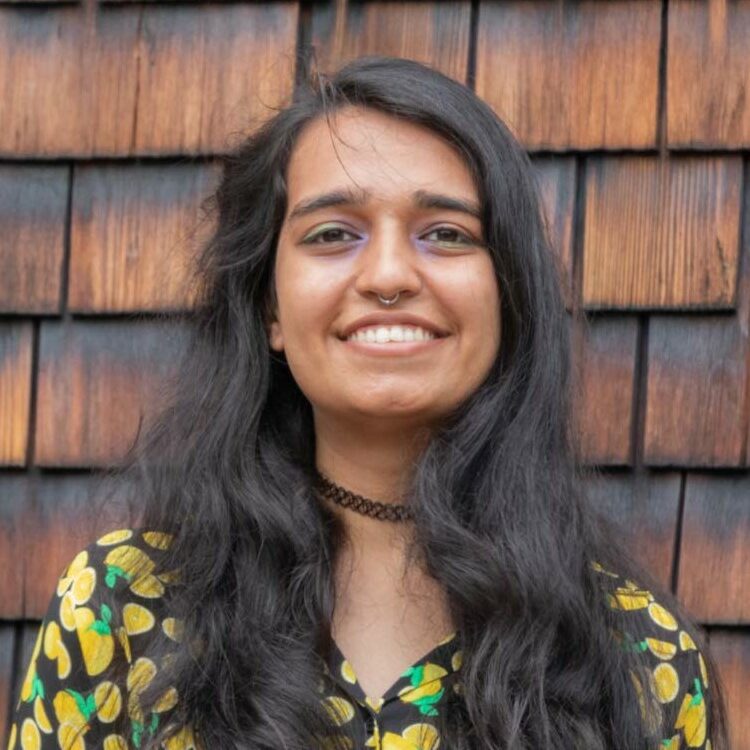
pixel 714 572
pixel 708 75
pixel 96 379
pixel 33 204
pixel 434 33
pixel 16 343
pixel 134 231
pixel 605 379
pixel 572 75
pixel 644 508
pixel 661 233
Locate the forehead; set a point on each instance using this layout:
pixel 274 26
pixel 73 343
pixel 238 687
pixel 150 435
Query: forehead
pixel 377 152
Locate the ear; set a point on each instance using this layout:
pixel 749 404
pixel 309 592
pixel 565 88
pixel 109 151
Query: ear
pixel 275 336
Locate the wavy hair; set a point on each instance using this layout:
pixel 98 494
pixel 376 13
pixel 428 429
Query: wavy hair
pixel 502 519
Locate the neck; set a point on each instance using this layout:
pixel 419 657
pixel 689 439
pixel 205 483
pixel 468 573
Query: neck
pixel 376 464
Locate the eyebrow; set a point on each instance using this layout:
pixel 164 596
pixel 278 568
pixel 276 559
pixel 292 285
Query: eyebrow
pixel 348 197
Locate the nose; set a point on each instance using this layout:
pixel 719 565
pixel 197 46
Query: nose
pixel 388 264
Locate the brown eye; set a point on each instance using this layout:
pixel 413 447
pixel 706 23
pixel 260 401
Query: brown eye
pixel 448 235
pixel 328 234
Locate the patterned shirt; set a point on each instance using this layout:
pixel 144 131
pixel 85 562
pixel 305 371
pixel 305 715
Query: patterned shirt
pixel 67 702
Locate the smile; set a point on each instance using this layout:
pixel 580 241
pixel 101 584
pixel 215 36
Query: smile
pixel 391 334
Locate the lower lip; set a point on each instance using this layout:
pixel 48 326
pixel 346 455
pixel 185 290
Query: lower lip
pixel 393 348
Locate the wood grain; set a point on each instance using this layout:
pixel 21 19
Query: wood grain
pixel 555 178
pixel 16 344
pixel 433 33
pixel 14 500
pixel 708 75
pixel 571 75
pixel 125 80
pixel 134 231
pixel 96 380
pixel 644 507
pixel 33 205
pixel 605 380
pixel 714 572
pixel 731 652
pixel 661 233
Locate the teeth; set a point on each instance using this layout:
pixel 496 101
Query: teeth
pixel 386 334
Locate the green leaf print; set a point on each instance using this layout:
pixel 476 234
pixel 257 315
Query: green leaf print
pixel 86 706
pixel 154 723
pixel 102 626
pixel 113 573
pixel 698 697
pixel 136 732
pixel 37 688
pixel 425 703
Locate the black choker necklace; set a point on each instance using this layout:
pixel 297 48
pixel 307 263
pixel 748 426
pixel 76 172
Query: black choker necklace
pixel 347 499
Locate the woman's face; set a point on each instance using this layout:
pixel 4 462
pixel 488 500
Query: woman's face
pixel 376 236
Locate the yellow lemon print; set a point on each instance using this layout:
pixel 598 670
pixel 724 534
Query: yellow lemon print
pixel 686 642
pixel 108 699
pixel 168 700
pixel 30 737
pixel 40 716
pixel 662 649
pixel 447 638
pixel 600 569
pixel 126 562
pixel 95 637
pixel 182 740
pixel 137 619
pixel 347 672
pixel 13 736
pixel 54 648
pixel 115 742
pixel 173 628
pixel 661 616
pixel 340 710
pixel 32 685
pixel 426 687
pixel 84 584
pixel 157 539
pixel 704 671
pixel 692 716
pixel 672 744
pixel 169 576
pixel 115 537
pixel 71 737
pixel 149 587
pixel 122 637
pixel 667 682
pixel 79 562
pixel 141 674
pixel 628 599
pixel 422 736
pixel 67 605
pixel 375 703
pixel 651 712
pixel 457 660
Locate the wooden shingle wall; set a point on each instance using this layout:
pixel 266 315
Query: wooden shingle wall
pixel 636 117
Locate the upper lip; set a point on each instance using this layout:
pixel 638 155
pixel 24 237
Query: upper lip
pixel 392 319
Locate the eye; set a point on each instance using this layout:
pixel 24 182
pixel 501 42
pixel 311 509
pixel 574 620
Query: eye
pixel 328 233
pixel 465 239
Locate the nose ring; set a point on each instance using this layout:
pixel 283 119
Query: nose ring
pixel 388 301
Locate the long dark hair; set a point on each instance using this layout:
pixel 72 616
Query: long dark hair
pixel 502 519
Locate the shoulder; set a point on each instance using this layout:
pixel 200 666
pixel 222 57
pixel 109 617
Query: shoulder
pixel 108 604
pixel 670 678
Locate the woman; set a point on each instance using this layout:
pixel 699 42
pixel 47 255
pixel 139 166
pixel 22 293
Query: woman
pixel 360 523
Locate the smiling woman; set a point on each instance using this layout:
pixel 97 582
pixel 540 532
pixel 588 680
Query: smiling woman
pixel 358 520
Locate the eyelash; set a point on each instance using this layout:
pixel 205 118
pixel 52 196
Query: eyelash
pixel 311 239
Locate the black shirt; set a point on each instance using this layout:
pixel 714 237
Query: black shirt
pixel 65 688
